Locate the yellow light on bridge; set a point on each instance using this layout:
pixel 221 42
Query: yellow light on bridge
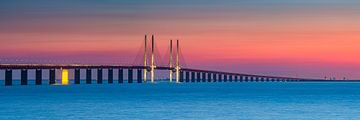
pixel 65 77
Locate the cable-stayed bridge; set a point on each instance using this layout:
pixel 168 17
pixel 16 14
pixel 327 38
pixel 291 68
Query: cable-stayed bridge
pixel 145 64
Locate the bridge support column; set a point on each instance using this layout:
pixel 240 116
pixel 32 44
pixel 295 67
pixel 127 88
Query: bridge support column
pixel 8 77
pixel 209 76
pixel 241 78
pixel 181 76
pixel 121 76
pixel 192 76
pixel 226 77
pixel 77 76
pixel 52 76
pixel 24 77
pixel 236 78
pixel 267 79
pixel 198 78
pixel 130 76
pixel 139 76
pixel 110 75
pixel 88 76
pixel 99 76
pixel 38 77
pixel 214 77
pixel 187 76
pixel 203 77
pixel 231 78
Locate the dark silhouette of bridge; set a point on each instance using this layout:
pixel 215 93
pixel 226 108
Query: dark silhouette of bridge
pixel 182 74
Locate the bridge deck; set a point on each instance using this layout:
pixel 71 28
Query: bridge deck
pixel 81 66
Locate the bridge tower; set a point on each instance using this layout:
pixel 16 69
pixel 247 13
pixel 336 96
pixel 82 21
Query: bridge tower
pixel 152 59
pixel 145 59
pixel 177 67
pixel 171 62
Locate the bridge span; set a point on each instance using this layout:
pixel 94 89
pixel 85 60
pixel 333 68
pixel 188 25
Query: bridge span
pixel 182 74
pixel 186 74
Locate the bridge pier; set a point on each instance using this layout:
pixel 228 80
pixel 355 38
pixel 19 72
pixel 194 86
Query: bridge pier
pixel 214 77
pixel 110 76
pixel 139 75
pixel 130 76
pixel 267 79
pixel 219 76
pixel 99 76
pixel 181 76
pixel 261 79
pixel 88 76
pixel 38 77
pixel 187 76
pixel 192 76
pixel 52 76
pixel 236 78
pixel 121 76
pixel 231 78
pixel 226 77
pixel 77 76
pixel 8 77
pixel 198 78
pixel 209 76
pixel 203 77
pixel 24 77
pixel 249 79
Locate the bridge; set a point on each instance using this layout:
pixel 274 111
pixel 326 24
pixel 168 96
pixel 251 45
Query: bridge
pixel 177 72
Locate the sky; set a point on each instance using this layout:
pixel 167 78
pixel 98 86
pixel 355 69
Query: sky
pixel 307 38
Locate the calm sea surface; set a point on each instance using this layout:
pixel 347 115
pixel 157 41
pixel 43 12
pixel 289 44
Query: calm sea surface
pixel 241 100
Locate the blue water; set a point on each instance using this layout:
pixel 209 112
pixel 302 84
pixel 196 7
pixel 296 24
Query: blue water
pixel 242 100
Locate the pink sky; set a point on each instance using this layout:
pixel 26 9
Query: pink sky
pixel 305 39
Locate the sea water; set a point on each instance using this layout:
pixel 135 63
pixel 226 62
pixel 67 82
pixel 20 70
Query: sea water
pixel 240 100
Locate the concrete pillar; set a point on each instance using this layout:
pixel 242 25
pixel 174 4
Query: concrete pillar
pixel 203 77
pixel 214 77
pixel 38 77
pixel 24 77
pixel 121 76
pixel 77 76
pixel 198 78
pixel 251 79
pixel 139 75
pixel 130 75
pixel 230 78
pixel 110 76
pixel 52 76
pixel 8 77
pixel 181 76
pixel 88 76
pixel 187 76
pixel 209 77
pixel 236 78
pixel 247 78
pixel 192 76
pixel 99 76
pixel 226 77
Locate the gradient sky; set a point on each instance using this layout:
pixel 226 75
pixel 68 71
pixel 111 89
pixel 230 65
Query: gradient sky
pixel 301 38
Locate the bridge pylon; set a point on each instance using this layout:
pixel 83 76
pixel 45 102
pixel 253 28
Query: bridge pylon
pixel 171 62
pixel 177 66
pixel 152 67
pixel 145 59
